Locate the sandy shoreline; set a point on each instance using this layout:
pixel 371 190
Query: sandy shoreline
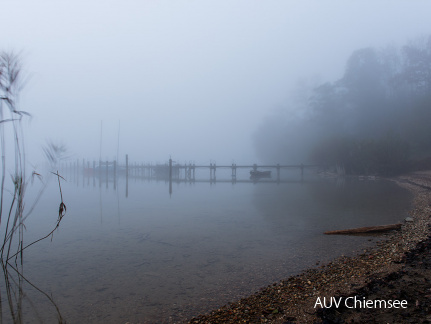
pixel 293 300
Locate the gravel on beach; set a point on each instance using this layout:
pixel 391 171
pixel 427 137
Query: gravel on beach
pixel 395 269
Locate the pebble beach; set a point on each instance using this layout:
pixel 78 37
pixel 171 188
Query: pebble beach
pixel 395 268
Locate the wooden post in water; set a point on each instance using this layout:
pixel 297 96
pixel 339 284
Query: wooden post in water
pixel 127 165
pixel 94 173
pixel 278 172
pixel 212 172
pixel 115 174
pixel 170 176
pixel 170 169
pixel 83 172
pixel 107 175
pixel 74 171
pixel 100 173
pixel 88 173
pixel 302 171
pixel 127 175
pixel 77 172
pixel 189 172
pixel 194 168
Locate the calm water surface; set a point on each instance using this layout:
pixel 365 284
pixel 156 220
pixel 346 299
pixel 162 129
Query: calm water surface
pixel 152 257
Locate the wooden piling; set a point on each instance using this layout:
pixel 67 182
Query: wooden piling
pixel 94 173
pixel 88 173
pixel 77 171
pixel 233 172
pixel 170 176
pixel 115 174
pixel 278 172
pixel 127 175
pixel 127 165
pixel 194 168
pixel 107 175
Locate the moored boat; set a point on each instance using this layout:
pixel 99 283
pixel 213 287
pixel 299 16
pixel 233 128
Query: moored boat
pixel 254 174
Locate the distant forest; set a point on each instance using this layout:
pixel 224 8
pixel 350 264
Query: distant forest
pixel 376 119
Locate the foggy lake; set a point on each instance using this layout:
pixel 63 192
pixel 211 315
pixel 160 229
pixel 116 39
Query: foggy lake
pixel 345 88
pixel 155 257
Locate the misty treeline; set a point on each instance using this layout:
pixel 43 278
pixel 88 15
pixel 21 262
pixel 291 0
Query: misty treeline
pixel 376 119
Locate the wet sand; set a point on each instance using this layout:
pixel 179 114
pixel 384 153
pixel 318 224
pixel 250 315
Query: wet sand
pixel 395 269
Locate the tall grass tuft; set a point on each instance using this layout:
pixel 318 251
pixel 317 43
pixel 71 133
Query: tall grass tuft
pixel 12 216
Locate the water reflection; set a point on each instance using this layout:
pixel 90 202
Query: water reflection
pixel 18 289
pixel 327 205
pixel 152 258
pixel 21 302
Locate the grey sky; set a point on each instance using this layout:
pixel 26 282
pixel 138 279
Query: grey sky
pixel 191 79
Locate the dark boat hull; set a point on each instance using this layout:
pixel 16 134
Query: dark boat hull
pixel 260 174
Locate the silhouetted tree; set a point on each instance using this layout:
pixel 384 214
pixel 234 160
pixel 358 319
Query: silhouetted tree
pixel 371 120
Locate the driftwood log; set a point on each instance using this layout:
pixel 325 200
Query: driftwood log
pixel 365 230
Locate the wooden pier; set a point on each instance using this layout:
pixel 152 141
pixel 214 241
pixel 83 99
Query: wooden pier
pixel 172 170
pixel 108 172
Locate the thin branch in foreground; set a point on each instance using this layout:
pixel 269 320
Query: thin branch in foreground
pixel 61 214
pixel 60 318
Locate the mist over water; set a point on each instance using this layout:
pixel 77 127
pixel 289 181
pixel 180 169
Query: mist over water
pixel 154 256
pixel 190 80
pixel 342 86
